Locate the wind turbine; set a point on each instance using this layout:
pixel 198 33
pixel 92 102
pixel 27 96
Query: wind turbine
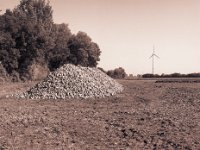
pixel 152 56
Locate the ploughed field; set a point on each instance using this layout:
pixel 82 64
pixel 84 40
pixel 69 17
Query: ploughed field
pixel 146 115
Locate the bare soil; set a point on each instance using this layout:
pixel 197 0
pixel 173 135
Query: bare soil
pixel 147 115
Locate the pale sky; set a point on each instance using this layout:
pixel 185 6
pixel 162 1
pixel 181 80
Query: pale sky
pixel 126 31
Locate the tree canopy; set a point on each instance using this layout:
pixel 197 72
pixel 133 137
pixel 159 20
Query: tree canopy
pixel 28 35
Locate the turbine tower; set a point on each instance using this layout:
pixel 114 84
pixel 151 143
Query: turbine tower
pixel 152 56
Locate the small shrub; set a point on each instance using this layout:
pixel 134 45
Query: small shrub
pixel 118 73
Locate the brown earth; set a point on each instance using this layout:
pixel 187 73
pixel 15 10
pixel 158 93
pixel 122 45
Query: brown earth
pixel 147 115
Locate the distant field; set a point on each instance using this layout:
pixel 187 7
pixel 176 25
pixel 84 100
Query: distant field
pixel 147 115
pixel 178 79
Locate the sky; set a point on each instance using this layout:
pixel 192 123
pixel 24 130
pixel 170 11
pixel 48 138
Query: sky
pixel 126 31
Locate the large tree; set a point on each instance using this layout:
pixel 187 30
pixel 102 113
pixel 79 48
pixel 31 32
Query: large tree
pixel 29 25
pixel 59 55
pixel 9 55
pixel 83 51
pixel 30 38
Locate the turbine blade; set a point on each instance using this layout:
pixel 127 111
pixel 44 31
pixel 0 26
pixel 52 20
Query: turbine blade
pixel 151 56
pixel 156 56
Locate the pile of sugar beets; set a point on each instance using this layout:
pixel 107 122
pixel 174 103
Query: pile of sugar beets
pixel 70 81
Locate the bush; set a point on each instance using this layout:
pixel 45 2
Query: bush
pixel 118 73
pixel 148 75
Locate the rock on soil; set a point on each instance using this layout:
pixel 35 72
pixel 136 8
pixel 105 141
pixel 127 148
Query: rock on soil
pixel 71 81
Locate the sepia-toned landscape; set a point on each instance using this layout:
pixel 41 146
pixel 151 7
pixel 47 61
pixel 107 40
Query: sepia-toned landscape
pixel 146 115
pixel 99 75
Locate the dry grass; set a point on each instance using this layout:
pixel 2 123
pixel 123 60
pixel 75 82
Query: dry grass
pixel 146 115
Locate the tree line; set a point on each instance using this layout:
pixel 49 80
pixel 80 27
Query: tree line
pixel 29 36
pixel 173 75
